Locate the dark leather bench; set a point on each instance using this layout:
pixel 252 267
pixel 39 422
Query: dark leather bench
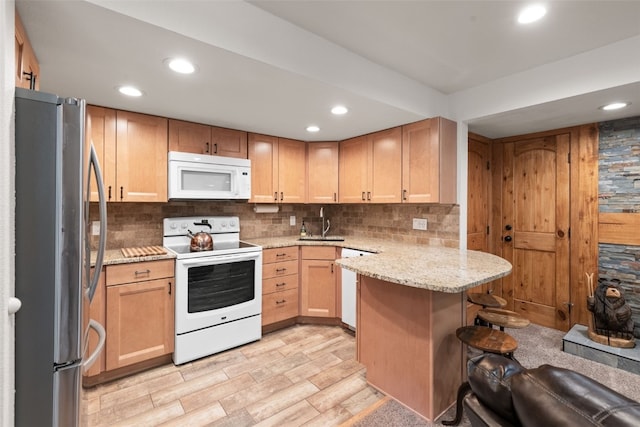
pixel 500 392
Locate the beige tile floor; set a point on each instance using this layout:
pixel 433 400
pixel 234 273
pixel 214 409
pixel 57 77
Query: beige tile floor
pixel 302 375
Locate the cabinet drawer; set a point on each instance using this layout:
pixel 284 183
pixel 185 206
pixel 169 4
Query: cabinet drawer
pixel 279 254
pixel 139 271
pixel 279 269
pixel 283 283
pixel 319 252
pixel 279 306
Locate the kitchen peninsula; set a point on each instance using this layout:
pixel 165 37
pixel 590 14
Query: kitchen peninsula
pixel 411 299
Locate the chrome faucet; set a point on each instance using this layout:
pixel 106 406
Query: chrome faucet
pixel 324 230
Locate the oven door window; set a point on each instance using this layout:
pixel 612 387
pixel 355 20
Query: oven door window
pixel 220 285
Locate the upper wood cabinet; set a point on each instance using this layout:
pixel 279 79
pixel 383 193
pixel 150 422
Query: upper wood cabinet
pixel 132 150
pixel 202 139
pixel 101 131
pixel 322 172
pixel 141 157
pixel 429 161
pixel 278 169
pixel 371 168
pixel 27 67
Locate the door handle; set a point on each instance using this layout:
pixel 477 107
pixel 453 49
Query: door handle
pixel 363 198
pixel 508 238
pixel 206 150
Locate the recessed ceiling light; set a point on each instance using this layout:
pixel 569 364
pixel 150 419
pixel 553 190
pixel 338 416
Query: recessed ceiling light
pixel 180 65
pixel 313 128
pixel 532 13
pixel 130 91
pixel 339 110
pixel 614 106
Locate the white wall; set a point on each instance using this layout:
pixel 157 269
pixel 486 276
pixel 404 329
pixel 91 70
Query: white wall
pixel 7 201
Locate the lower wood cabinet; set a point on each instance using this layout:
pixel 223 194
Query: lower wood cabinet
pixel 279 284
pixel 139 312
pixel 318 283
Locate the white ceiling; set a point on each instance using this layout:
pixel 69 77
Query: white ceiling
pixel 275 67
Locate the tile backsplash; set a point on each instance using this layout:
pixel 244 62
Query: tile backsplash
pixel 140 224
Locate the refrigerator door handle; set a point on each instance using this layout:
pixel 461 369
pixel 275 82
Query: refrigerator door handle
pixel 103 223
pixel 96 352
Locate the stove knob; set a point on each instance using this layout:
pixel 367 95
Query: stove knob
pixel 184 225
pixel 232 223
pixel 224 224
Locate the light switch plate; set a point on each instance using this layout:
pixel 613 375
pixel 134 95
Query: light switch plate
pixel 419 223
pixel 292 220
pixel 95 228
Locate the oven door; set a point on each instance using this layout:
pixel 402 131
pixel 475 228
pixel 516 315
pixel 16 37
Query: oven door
pixel 217 289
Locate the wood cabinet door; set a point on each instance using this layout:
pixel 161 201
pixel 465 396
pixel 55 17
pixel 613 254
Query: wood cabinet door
pixel 420 162
pixel 228 142
pixel 140 322
pixel 189 137
pixel 27 67
pixel 292 171
pixel 535 229
pixel 385 166
pixel 263 153
pixel 353 170
pixel 322 172
pixel 318 288
pixel 101 131
pixel 141 157
pixel 97 313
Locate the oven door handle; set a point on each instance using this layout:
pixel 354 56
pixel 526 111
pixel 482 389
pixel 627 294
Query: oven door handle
pixel 221 259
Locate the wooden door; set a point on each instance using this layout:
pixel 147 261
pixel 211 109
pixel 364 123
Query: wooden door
pixel 322 172
pixel 141 157
pixel 263 153
pixel 140 322
pixel 228 142
pixel 189 137
pixel 101 131
pixel 385 166
pixel 535 229
pixel 292 171
pixel 353 170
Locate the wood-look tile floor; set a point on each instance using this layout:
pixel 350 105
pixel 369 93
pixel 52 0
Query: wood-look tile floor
pixel 302 375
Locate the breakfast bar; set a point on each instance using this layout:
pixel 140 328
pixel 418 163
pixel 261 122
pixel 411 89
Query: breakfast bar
pixel 410 302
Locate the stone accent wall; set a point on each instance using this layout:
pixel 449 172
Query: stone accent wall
pixel 140 224
pixel 619 192
pixel 619 166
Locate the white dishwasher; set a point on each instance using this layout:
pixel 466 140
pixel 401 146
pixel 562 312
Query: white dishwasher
pixel 349 289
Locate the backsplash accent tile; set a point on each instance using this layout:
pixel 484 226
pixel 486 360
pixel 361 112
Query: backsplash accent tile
pixel 140 224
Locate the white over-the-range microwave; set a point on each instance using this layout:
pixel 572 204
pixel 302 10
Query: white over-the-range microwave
pixel 204 177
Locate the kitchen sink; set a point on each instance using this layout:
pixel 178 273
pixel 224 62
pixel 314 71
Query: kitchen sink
pixel 324 239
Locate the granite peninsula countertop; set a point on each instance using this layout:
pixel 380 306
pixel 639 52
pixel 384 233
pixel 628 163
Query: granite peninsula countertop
pixel 435 268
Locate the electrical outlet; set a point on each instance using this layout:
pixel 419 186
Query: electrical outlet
pixel 292 220
pixel 419 223
pixel 95 228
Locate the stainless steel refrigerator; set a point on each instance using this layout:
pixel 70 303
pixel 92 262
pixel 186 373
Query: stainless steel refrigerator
pixel 55 164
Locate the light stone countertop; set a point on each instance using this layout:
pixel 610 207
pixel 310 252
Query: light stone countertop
pixel 434 268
